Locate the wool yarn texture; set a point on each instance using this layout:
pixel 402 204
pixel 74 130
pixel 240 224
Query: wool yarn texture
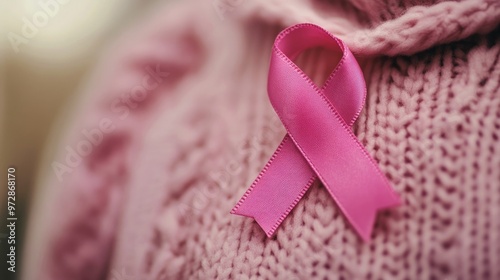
pixel 152 200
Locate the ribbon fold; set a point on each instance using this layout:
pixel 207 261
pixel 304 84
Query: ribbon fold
pixel 319 143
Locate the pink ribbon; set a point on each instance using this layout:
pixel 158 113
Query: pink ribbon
pixel 320 142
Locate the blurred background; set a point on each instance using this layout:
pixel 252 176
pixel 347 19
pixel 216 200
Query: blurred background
pixel 48 48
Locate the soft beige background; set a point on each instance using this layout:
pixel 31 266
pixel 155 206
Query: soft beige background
pixel 38 83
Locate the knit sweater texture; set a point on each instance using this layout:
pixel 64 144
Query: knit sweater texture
pixel 152 198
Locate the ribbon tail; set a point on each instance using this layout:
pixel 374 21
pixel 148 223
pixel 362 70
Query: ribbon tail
pixel 360 191
pixel 364 224
pixel 277 189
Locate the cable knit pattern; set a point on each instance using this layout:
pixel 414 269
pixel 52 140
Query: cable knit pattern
pixel 411 30
pixel 153 200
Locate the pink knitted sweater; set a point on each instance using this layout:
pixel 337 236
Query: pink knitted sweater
pixel 181 105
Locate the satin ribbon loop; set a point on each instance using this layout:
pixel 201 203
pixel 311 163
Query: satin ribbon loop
pixel 319 141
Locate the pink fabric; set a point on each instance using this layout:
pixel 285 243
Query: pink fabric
pixel 152 199
pixel 322 144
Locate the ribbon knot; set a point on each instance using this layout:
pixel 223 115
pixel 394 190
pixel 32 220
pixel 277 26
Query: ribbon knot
pixel 319 143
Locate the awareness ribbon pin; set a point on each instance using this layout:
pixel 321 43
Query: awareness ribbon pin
pixel 319 143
